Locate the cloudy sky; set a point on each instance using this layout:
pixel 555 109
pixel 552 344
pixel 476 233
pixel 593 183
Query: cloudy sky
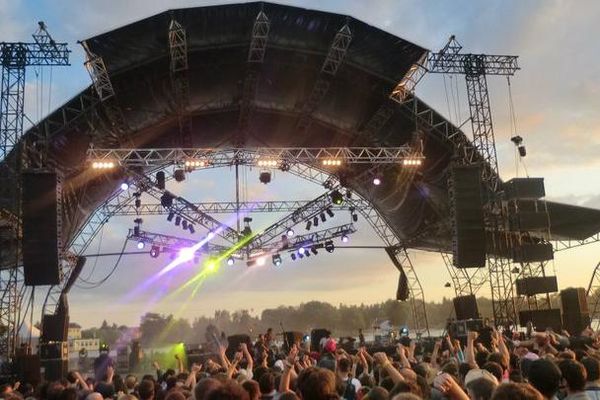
pixel 556 94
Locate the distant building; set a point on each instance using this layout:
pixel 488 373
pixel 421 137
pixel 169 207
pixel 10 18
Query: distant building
pixel 90 345
pixel 74 331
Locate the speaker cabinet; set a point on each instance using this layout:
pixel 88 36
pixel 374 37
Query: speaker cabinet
pixel 576 323
pixel 234 342
pixel 55 370
pixel 290 338
pixel 529 221
pixel 465 307
pixel 524 188
pixel 533 252
pixel 541 319
pixel 536 285
pixel 574 301
pixel 27 368
pixel 467 216
pixel 41 199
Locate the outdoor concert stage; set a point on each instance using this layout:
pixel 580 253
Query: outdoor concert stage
pixel 324 96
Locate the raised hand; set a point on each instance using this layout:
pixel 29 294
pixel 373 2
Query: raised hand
pixel 380 358
pixel 292 355
pixel 472 335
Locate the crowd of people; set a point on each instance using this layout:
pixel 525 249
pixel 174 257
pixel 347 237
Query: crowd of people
pixel 544 365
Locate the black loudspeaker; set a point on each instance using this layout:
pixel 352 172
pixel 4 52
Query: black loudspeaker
pixel 55 327
pixel 41 237
pixel 234 342
pixel 533 252
pixel 541 319
pixel 27 368
pixel 460 329
pixel 54 351
pixel 402 292
pixel 135 357
pixel 55 370
pixel 467 217
pixel 291 338
pixel 536 285
pixel 315 338
pixel 465 307
pixel 575 310
pixel 122 366
pixel 574 301
pixel 524 188
pixel 529 221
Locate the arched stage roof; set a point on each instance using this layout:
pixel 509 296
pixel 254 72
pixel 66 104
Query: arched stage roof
pixel 137 59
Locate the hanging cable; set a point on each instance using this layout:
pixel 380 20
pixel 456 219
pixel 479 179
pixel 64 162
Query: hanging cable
pixel 96 260
pixel 459 113
pixel 107 277
pixel 447 100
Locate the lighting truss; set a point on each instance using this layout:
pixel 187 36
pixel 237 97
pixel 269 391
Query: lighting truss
pixel 312 238
pixel 229 207
pixel 186 209
pixel 565 244
pixel 174 243
pixel 275 231
pixel 153 157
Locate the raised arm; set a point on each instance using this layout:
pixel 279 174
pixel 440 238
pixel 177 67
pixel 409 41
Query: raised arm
pixel 470 356
pixel 400 349
pixel 288 370
pixel 247 356
pixel 385 363
pixel 190 382
pixel 180 367
pixel 502 348
pixel 434 354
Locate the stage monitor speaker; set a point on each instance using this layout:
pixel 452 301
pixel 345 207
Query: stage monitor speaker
pixel 574 301
pixel 468 229
pixel 41 199
pixel 315 338
pixel 541 319
pixel 465 307
pixel 533 252
pixel 234 342
pixel 55 327
pixel 27 368
pixel 524 188
pixel 55 370
pixel 536 285
pixel 290 338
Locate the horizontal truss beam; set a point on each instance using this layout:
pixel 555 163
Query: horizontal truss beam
pixel 252 156
pixel 228 207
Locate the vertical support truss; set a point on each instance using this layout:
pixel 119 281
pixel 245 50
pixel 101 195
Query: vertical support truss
pixel 178 50
pixel 593 293
pixel 98 74
pixel 465 281
pixel 409 81
pixel 12 99
pixel 335 57
pixel 256 56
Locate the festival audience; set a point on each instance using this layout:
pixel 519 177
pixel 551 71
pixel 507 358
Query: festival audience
pixel 495 367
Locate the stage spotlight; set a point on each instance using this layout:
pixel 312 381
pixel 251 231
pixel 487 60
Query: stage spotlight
pixel 160 180
pixel 154 251
pixel 447 285
pixel 336 197
pixel 314 250
pixel 354 217
pixel 230 261
pixel 308 225
pixel 284 166
pixel 345 238
pixel 170 216
pixel 330 212
pixel 323 218
pixel 264 177
pixel 301 250
pixel 103 164
pixel 301 256
pixel 376 181
pixel 191 229
pixel 186 254
pixel 307 254
pixel 210 235
pixel 179 175
pixel 140 245
pixel 124 185
pixel 166 200
pixel 138 203
pixel 329 246
pixel 277 260
pixel 177 220
pixel 293 256
pixel 290 232
pixel 184 225
pixel 316 221
pixel 515 270
pixel 260 261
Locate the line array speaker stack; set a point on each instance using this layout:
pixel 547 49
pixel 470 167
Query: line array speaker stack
pixel 576 315
pixel 468 228
pixel 54 358
pixel 41 243
pixel 542 319
pixel 536 285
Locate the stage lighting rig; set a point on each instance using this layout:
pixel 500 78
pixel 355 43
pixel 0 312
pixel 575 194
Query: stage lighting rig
pixel 330 212
pixel 353 214
pixel 124 185
pixel 177 220
pixel 290 232
pixel 345 238
pixel 329 246
pixel 316 221
pixel 332 162
pixel 170 216
pixel 166 200
pixel 184 225
pixel 323 217
pixel 191 228
pixel 293 256
pixel 412 162
pixel 138 226
pixel 230 261
pixel 518 141
pixel 277 260
pixel 179 175
pixel 377 181
pixel 264 177
pixel 154 251
pixel 247 231
pixel 336 197
pixel 104 165
pixel 308 225
pixel 160 180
